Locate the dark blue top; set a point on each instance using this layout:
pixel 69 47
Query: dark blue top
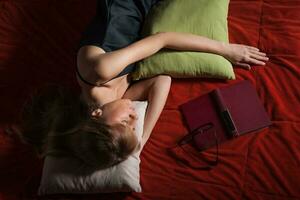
pixel 116 25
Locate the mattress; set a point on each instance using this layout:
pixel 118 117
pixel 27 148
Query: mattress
pixel 38 45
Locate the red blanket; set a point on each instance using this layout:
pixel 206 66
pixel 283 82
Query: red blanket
pixel 38 45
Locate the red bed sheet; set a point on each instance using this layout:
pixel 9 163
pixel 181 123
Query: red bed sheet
pixel 38 45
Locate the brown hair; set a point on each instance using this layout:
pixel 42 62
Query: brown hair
pixel 57 122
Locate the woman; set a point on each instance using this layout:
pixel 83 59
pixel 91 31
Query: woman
pixel 99 127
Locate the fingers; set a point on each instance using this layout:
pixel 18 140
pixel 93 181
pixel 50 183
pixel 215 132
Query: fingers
pixel 255 61
pixel 244 56
pixel 243 65
pixel 255 50
pixel 252 48
pixel 258 53
pixel 258 57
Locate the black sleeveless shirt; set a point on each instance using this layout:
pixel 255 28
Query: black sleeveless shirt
pixel 116 25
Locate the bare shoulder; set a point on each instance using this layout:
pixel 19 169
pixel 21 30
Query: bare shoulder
pixel 86 56
pixel 86 60
pixel 89 51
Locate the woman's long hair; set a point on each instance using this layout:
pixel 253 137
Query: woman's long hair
pixel 57 122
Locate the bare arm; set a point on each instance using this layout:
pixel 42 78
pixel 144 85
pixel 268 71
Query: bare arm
pixel 108 65
pixel 156 91
pixel 111 63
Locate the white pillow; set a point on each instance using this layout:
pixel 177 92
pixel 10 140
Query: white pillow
pixel 68 175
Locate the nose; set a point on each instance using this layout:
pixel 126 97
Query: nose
pixel 133 114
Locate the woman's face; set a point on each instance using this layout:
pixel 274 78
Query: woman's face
pixel 119 111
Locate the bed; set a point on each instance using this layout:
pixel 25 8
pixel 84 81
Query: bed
pixel 37 45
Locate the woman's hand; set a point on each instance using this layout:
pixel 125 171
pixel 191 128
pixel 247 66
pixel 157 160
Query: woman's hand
pixel 240 55
pixel 244 56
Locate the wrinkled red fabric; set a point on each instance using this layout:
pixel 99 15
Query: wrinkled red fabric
pixel 38 42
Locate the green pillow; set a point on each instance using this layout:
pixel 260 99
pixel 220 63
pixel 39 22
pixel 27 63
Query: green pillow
pixel 202 17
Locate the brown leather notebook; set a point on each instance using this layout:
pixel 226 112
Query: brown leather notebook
pixel 230 111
